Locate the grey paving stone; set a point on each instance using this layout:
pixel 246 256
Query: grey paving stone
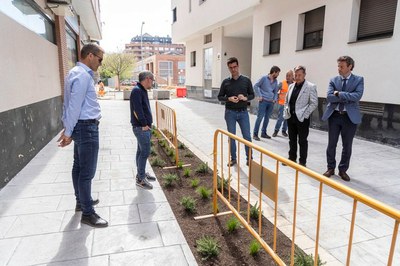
pixel 90 261
pixel 29 205
pixel 35 224
pixel 139 195
pixel 126 214
pixel 7 248
pixel 171 233
pixel 157 211
pixel 117 239
pixel 52 248
pixel 172 255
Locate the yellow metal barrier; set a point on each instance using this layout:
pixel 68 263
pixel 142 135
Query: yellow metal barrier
pixel 266 182
pixel 166 125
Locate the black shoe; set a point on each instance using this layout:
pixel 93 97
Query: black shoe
pixel 344 176
pixel 275 134
pixel 329 172
pixel 78 207
pixel 303 164
pixel 94 220
pixel 144 184
pixel 148 177
pixel 284 134
pixel 265 136
pixel 255 137
pixel 232 163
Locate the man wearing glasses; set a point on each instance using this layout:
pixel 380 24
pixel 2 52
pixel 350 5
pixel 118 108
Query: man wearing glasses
pixel 81 115
pixel 141 120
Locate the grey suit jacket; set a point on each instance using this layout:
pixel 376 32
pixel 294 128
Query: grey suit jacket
pixel 350 97
pixel 306 102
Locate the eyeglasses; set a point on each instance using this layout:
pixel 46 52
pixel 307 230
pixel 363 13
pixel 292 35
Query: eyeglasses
pixel 100 58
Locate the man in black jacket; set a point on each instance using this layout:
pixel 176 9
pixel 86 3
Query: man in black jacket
pixel 236 91
pixel 141 120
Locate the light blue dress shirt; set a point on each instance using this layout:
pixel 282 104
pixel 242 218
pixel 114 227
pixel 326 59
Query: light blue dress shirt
pixel 80 99
pixel 265 89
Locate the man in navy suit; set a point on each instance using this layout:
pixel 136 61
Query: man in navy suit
pixel 343 114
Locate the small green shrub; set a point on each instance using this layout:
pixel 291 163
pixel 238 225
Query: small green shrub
pixel 181 146
pixel 303 259
pixel 162 143
pixel 151 143
pixel 170 152
pixel 186 172
pixel 180 165
pixel 157 162
pixel 232 224
pixel 254 211
pixel 202 168
pixel 225 181
pixel 208 247
pixel 153 151
pixel 169 179
pixel 189 204
pixel 188 155
pixel 194 182
pixel 204 192
pixel 254 248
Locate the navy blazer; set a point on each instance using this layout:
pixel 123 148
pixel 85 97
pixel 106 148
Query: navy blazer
pixel 350 97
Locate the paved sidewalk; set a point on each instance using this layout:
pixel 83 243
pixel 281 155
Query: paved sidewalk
pixel 38 224
pixel 374 171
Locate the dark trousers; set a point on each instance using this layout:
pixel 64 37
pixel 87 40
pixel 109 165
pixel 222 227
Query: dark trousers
pixel 86 149
pixel 340 124
pixel 298 131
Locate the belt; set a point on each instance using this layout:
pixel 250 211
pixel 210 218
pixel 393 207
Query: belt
pixel 238 110
pixel 340 112
pixel 89 121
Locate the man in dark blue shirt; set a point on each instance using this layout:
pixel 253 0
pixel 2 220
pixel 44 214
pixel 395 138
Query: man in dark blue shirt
pixel 236 91
pixel 141 120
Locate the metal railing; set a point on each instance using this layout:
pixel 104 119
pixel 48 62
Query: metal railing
pixel 266 182
pixel 166 125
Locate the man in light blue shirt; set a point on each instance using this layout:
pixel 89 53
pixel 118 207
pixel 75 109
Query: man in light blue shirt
pixel 81 116
pixel 266 89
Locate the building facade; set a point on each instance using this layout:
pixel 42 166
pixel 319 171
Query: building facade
pixel 313 33
pixel 168 69
pixel 147 45
pixel 40 43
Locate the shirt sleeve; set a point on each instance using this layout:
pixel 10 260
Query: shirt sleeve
pixel 79 85
pixel 250 91
pixel 222 93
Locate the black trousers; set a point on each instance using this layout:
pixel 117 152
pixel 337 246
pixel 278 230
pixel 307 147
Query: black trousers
pixel 298 132
pixel 340 124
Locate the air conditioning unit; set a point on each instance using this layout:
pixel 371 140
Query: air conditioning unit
pixel 59 2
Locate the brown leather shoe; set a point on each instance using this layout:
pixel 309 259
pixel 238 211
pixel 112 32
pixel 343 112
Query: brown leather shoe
pixel 344 176
pixel 329 172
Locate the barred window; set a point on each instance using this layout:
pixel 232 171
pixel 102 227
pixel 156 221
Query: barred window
pixel 314 28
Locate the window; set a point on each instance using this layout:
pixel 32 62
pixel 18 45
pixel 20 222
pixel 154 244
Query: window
pixel 29 14
pixel 193 59
pixel 376 19
pixel 275 38
pixel 174 15
pixel 314 28
pixel 207 38
pixel 181 65
pixel 72 50
pixel 165 69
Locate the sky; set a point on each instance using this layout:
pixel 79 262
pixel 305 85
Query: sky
pixel 122 20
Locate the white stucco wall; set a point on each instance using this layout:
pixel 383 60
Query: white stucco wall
pixel 205 16
pixel 376 60
pixel 29 66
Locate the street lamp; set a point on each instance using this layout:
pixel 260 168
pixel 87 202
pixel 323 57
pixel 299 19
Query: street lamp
pixel 141 42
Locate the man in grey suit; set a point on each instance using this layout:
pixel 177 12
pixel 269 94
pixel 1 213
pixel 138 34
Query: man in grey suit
pixel 343 114
pixel 301 100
